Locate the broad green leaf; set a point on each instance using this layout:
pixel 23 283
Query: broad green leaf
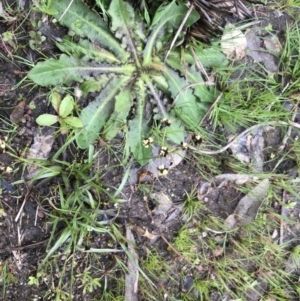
pixel 118 117
pixel 125 24
pixel 73 122
pixel 47 119
pixel 173 14
pixel 185 103
pixel 66 107
pixel 96 113
pixel 55 101
pixel 175 132
pixel 67 69
pixel 113 126
pixel 138 129
pixel 84 22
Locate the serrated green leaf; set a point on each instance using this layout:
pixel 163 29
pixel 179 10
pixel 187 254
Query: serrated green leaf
pixel 84 22
pixel 87 49
pixel 67 69
pixel 73 122
pixel 210 57
pixel 118 117
pixel 173 14
pixel 205 94
pixel 47 119
pixel 138 129
pixel 96 113
pixel 125 25
pixel 93 85
pixel 161 82
pixel 66 107
pixel 124 101
pixel 55 101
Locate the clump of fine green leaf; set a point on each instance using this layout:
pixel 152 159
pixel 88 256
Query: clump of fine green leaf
pixel 124 61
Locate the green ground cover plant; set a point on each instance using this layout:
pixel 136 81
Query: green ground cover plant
pixel 125 61
pixel 64 109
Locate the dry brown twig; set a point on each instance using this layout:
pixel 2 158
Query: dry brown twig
pixel 289 131
pixel 223 149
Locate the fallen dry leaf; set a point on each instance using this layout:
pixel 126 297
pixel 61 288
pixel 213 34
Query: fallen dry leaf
pixel 233 43
pixel 132 277
pixel 143 232
pixel 217 252
pixel 256 149
pixel 273 45
pixel 248 206
pixel 240 148
pixel 235 178
pixel 137 229
pixel 41 147
pixel 18 112
pixel 149 235
pixel 258 53
pixel 164 203
pixel 169 162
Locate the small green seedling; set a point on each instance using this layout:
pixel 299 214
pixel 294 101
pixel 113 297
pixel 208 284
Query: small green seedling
pixel 64 108
pixel 36 37
pixel 9 38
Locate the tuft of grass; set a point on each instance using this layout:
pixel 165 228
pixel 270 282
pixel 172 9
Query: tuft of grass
pixel 192 206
